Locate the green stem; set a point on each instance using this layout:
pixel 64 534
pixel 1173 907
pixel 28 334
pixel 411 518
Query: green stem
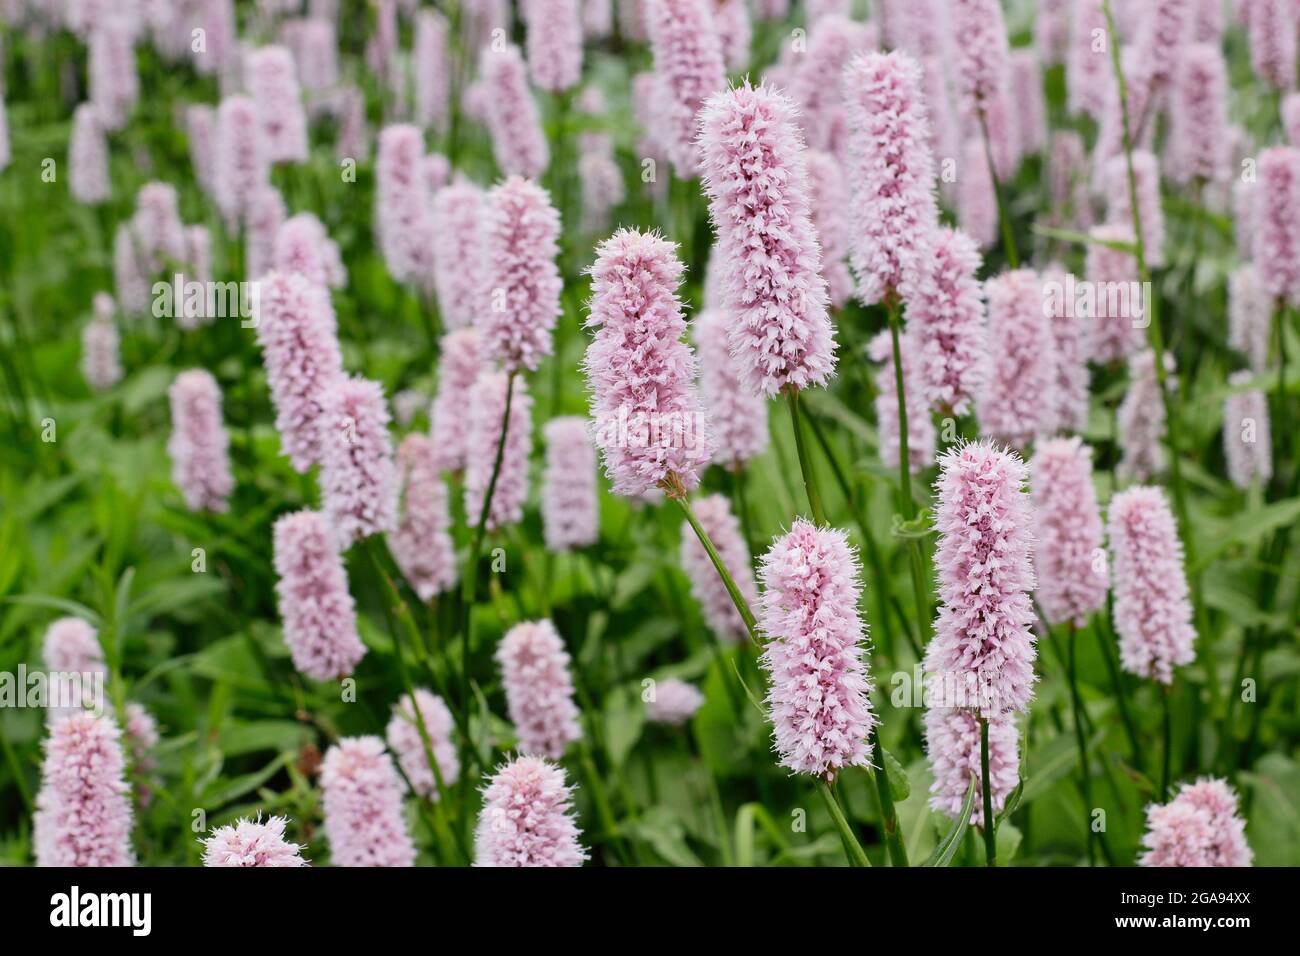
pixel 1167 751
pixel 888 813
pixel 678 494
pixel 1121 698
pixel 990 823
pixel 1077 705
pixel 852 848
pixel 1004 217
pixel 805 460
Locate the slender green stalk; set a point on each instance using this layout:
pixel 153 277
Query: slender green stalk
pixel 888 814
pixel 805 460
pixel 1085 780
pixel 675 491
pixel 990 822
pixel 1004 215
pixel 1167 750
pixel 852 848
pixel 1282 426
pixel 1121 698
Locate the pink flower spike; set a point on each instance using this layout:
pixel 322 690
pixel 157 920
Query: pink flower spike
pixel 522 244
pixel 1277 223
pixel 1272 34
pixel 318 614
pixel 1198 116
pixel 432 69
pixel 977 201
pixel 406 741
pixel 527 818
pixel 1247 443
pixel 952 742
pixel 83 809
pixel 252 843
pixel 487 409
pixel 1018 401
pixel 1250 316
pixel 648 421
pixel 570 509
pixel 713 512
pixel 402 206
pixel 459 260
pixel 421 544
pixel 357 476
pixel 981 51
pixel 1146 176
pixel 266 213
pixel 554 43
pixel 201 129
pixel 459 365
pixel 982 655
pixel 518 142
pixel 674 702
pixel 1153 615
pixel 757 183
pixel 1071 347
pixel 101 364
pixel 272 81
pixel 199 446
pixel 820 695
pixel 945 322
pixel 737 416
pixel 1089 75
pixel 303 246
pixel 1070 561
pixel 1115 336
pixel 1141 419
pixel 1200 826
pixel 364 823
pixel 242 162
pixel 88 177
pixel 829 195
pixel 539 688
pixel 689 70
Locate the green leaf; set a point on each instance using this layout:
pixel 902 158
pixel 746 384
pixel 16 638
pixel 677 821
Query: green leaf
pixel 745 823
pixel 899 788
pixel 947 847
pixel 59 604
pixel 220 794
pixel 1013 801
pixel 624 720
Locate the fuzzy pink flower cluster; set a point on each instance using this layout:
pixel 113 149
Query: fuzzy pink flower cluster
pixel 1277 223
pixel 737 416
pixel 521 244
pixel 101 364
pixel 112 79
pixel 518 142
pixel 199 446
pixel 815 76
pixel 1198 116
pixel 318 614
pixel 83 809
pixel 402 206
pixel 570 507
pixel 357 476
pixel 688 71
pixel 757 183
pixel 1141 419
pixel 539 688
pixel 1069 560
pixel 265 215
pixel 406 741
pixel 88 177
pixel 201 130
pixel 1088 69
pixel 298 334
pixel 554 43
pixel 487 408
pixel 303 246
pixel 242 162
pixel 952 742
pixel 649 424
pixel 421 544
pixel 829 196
pixel 1115 334
pixel 1200 826
pixel 1153 615
pixel 674 702
pixel 1071 347
pixel 713 512
pixel 71 647
pixel 156 224
pixel 364 823
pixel 130 284
pixel 820 695
pixel 1271 30
pixel 980 50
pixel 894 210
pixel 945 323
pixel 315 47
pixel 1146 177
pixel 1018 401
pixel 735 32
pixel 459 365
pixel 252 843
pixel 1250 316
pixel 527 818
pixel 1163 34
pixel 920 426
pixel 431 69
pixel 272 81
pixel 1247 442
pixel 459 260
pixel 982 654
pixel 977 201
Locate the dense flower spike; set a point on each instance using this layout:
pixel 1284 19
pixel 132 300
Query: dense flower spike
pixel 689 69
pixel 459 365
pixel 521 242
pixel 83 809
pixel 1141 420
pixel 820 695
pixel 73 657
pixel 602 181
pixel 303 246
pixel 554 43
pixel 1250 314
pixel 1153 615
pixel 363 805
pixel 130 284
pixel 1277 223
pixel 527 818
pixel 407 742
pixel 982 654
pixel 432 69
pixel 88 178
pixel 1247 442
pixel 357 476
pixel 773 290
pixel 1164 32
pixel 1118 323
pixel 201 129
pixel 1027 82
pixel 487 408
pixel 815 77
pixel 539 688
pixel 459 260
pixel 1071 347
pixel 1200 826
pixel 1146 177
pixel 952 742
pixel 199 446
pixel 421 544
pixel 737 416
pixel 735 32
pixel 649 425
pixel 981 52
pixel 159 232
pixel 977 202
pixel 920 427
pixel 272 81
pixel 112 78
pixel 945 322
pixel 1068 181
pixel 894 210
pixel 1071 565
pixel 713 512
pixel 1088 67
pixel 517 139
pixel 402 207
pixel 266 213
pixel 242 162
pixel 315 53
pixel 674 702
pixel 318 613
pixel 252 843
pixel 1198 116
pixel 1018 400
pixel 570 509
pixel 1272 33
pixel 297 332
pixel 100 363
